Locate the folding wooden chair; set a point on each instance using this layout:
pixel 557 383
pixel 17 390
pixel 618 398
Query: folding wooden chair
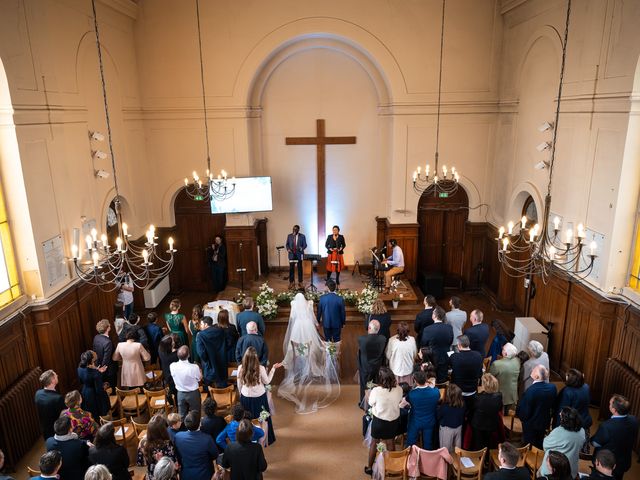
pixel 224 398
pixel 395 463
pixel 461 471
pixel 533 460
pixel 132 402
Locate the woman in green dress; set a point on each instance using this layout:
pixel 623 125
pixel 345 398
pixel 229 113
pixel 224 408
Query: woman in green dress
pixel 194 327
pixel 177 322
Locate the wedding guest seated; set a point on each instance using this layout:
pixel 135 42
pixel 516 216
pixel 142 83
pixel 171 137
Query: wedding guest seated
pixel 174 420
pixel 567 438
pixel 154 334
pixel 197 450
pixel 75 452
pixel 82 423
pixel 508 456
pixel 450 417
pixel 211 424
pixel 559 467
pixel 605 463
pixel 537 356
pixel 243 457
pixel 49 465
pixel 107 452
pixel 166 469
pixel 255 340
pixel 238 413
pixel 155 445
pixel 617 434
pixel 49 403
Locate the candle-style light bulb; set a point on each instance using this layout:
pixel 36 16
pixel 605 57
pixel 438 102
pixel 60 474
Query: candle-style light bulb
pixel 145 256
pixel 103 239
pixel 95 258
pixel 125 229
pixel 435 178
pixel 119 244
pixel 170 244
pixel 505 243
pixel 501 233
pixel 580 230
pixel 532 234
pixel 569 235
pixel 510 227
pixel 592 247
pixel 444 171
pixel 74 251
pixel 426 171
pixel 523 222
pixel 415 177
pixel 88 240
pixel 94 234
pixel 419 170
pixel 456 177
pixel 556 223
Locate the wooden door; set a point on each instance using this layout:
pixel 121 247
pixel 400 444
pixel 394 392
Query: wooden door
pixel 441 235
pixel 196 227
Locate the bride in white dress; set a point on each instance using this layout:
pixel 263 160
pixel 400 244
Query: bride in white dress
pixel 311 377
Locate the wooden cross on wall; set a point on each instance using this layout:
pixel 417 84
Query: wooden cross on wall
pixel 320 140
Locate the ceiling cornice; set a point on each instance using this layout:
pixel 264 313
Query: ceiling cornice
pixel 128 8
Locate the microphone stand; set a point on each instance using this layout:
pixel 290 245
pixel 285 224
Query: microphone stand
pixel 241 270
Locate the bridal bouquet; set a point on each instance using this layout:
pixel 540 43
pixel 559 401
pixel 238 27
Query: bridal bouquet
pixel 366 299
pixel 266 302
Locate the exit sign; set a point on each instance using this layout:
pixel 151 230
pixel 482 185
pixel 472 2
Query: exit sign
pixel 443 195
pixel 198 198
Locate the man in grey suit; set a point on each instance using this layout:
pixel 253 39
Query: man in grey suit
pixel 456 318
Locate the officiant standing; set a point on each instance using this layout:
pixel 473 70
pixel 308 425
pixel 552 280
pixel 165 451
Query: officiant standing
pixel 217 254
pixel 335 246
pixel 296 245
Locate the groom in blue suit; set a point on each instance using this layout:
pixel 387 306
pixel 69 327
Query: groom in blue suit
pixel 332 313
pixel 296 244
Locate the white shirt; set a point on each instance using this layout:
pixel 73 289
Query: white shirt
pixel 397 257
pixel 401 355
pixel 256 390
pixel 385 404
pixel 125 296
pixel 185 375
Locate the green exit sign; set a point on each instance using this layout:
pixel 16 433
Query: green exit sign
pixel 443 195
pixel 199 198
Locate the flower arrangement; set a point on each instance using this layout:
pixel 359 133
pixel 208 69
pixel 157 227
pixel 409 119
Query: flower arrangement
pixel 381 447
pixel 266 302
pixel 366 299
pixel 239 298
pixel 283 299
pixel 263 415
pixel 331 348
pixel 350 297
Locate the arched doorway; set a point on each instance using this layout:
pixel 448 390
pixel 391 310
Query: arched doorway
pixel 195 230
pixel 441 235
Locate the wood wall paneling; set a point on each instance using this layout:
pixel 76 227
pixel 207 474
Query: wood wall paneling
pixel 473 258
pixel 406 235
pixel 491 266
pixel 16 351
pixel 242 242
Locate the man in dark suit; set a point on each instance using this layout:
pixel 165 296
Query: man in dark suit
pixel 244 457
pixel 423 319
pixel 331 313
pixel 50 464
pixel 478 332
pixel 249 315
pixel 48 402
pixel 466 366
pixel 618 434
pixel 252 339
pixel 196 450
pixel 536 406
pixel 103 346
pixel 75 452
pixel 211 344
pixel 370 355
pixel 296 244
pixel 439 337
pixel 508 456
pixel 154 334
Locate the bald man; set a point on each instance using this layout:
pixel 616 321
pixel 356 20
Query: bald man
pixel 536 407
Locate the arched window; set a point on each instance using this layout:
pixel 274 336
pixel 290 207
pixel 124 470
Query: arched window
pixel 530 211
pixel 9 282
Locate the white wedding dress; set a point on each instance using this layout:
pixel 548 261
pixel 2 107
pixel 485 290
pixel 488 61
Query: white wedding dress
pixel 311 372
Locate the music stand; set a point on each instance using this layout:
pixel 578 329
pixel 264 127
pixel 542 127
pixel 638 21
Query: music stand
pixel 312 258
pixel 241 270
pixel 376 279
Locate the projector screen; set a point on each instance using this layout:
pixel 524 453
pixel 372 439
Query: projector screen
pixel 252 194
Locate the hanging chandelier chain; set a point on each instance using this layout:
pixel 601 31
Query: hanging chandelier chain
pixel 204 97
pixel 104 96
pixel 555 125
pixel 439 86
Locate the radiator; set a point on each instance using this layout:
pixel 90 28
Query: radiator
pixel 19 424
pixel 618 378
pixel 155 292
